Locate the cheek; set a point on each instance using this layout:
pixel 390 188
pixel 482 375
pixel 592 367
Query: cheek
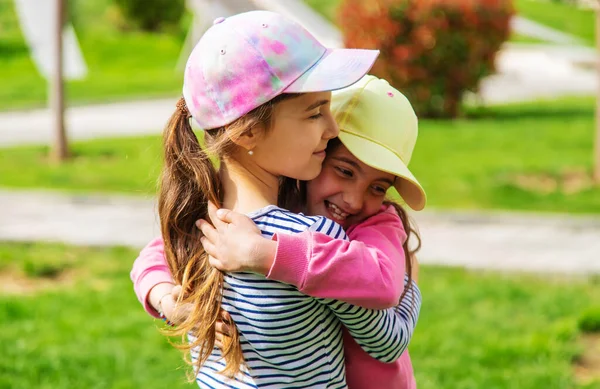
pixel 372 205
pixel 325 185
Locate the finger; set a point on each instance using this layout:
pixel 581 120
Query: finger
pixel 208 230
pixel 214 262
pixel 209 247
pixel 232 217
pixel 176 292
pixel 225 317
pixel 212 213
pixel 180 313
pixel 222 329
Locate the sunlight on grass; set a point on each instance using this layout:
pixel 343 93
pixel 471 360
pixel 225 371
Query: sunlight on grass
pixel 512 331
pixel 527 156
pixel 561 16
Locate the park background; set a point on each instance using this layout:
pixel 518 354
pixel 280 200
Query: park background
pixel 511 236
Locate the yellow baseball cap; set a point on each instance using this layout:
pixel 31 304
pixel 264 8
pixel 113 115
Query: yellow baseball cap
pixel 379 126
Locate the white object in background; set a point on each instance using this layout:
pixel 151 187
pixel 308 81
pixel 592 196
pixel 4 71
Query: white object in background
pixel 205 11
pixel 38 19
pixel 302 13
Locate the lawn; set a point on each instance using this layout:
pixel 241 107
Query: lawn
pixel 70 320
pixel 130 165
pixel 121 65
pixel 128 64
pixel 527 156
pixel 560 16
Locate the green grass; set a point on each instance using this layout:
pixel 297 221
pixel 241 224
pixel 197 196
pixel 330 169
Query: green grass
pixel 560 16
pixel 518 157
pixel 518 38
pixel 130 165
pixel 84 328
pixel 121 65
pixel 327 8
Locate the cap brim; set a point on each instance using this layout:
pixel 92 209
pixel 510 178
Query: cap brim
pixel 381 158
pixel 337 69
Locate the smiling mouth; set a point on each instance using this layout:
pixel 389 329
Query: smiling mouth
pixel 336 212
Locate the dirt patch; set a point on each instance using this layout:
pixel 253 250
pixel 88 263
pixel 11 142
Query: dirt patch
pixel 14 282
pixel 540 183
pixel 587 366
pixel 568 182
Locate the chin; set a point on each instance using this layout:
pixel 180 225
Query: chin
pixel 310 173
pixel 318 211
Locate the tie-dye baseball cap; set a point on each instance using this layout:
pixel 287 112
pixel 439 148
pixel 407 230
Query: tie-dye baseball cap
pixel 243 61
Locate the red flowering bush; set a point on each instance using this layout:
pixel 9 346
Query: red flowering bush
pixel 431 50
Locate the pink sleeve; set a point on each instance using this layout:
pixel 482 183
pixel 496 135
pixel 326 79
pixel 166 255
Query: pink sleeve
pixel 367 271
pixel 150 269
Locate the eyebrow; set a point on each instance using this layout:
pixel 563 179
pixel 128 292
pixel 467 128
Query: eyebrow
pixel 359 168
pixel 317 105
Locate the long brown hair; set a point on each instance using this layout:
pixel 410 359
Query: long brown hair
pixel 189 181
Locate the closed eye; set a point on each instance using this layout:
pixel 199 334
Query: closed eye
pixel 379 189
pixel 317 116
pixel 345 172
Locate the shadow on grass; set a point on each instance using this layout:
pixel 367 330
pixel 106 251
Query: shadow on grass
pixel 9 49
pixel 567 109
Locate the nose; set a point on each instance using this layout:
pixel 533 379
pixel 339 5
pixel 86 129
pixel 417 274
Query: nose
pixel 354 201
pixel 332 130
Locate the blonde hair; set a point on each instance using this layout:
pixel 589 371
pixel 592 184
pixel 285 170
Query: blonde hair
pixel 189 181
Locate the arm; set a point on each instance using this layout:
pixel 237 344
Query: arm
pixel 367 271
pixel 151 276
pixel 383 334
pixel 234 244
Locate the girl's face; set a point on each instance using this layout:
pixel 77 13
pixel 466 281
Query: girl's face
pixel 295 144
pixel 347 190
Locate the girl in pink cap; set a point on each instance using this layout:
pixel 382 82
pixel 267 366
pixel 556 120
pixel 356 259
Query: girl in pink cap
pixel 258 85
pixel 367 271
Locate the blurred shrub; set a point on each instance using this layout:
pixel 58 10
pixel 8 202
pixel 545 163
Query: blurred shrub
pixel 431 50
pixel 152 15
pixel 589 321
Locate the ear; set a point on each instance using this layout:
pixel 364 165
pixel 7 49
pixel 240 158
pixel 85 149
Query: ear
pixel 247 139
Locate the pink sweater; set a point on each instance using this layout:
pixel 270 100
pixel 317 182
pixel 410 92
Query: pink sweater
pixel 367 271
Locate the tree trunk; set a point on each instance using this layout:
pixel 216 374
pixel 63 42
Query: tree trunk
pixel 60 150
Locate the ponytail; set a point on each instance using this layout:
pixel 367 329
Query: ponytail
pixel 189 181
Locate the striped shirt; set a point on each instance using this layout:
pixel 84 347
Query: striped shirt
pixel 291 340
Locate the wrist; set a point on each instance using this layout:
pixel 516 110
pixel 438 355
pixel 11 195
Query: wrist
pixel 157 295
pixel 266 255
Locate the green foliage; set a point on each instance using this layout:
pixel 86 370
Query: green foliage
pixel 433 51
pixel 151 15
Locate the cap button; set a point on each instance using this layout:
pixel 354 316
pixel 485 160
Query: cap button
pixel 218 20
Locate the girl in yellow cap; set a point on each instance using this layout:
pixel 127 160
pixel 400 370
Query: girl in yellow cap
pixel 369 159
